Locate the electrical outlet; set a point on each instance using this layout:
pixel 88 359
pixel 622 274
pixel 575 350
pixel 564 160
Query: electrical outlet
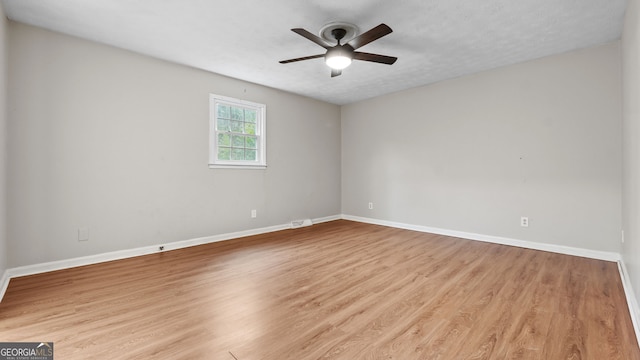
pixel 524 221
pixel 83 234
pixel 254 214
pixel 370 206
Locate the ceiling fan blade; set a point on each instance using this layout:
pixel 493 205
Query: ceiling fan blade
pixel 301 58
pixel 369 36
pixel 335 72
pixel 310 36
pixel 377 58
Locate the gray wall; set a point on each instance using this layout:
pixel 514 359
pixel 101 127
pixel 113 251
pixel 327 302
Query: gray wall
pixel 118 142
pixel 474 154
pixel 631 144
pixel 3 142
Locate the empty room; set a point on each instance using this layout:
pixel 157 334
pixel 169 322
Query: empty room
pixel 328 179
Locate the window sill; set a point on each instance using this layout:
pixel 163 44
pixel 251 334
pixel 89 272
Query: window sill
pixel 245 167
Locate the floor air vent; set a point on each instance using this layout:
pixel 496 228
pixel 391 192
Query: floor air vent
pixel 301 223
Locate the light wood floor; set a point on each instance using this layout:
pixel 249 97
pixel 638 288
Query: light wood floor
pixel 339 290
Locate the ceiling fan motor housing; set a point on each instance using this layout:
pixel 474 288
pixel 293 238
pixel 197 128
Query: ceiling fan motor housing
pixel 339 33
pixel 340 50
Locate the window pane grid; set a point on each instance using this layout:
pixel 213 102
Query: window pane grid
pixel 236 130
pixel 237 120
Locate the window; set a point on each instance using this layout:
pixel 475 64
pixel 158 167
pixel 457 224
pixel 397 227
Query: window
pixel 236 133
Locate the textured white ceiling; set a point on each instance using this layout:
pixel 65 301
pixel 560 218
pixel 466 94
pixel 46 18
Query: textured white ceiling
pixel 433 39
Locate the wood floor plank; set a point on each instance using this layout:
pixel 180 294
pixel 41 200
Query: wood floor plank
pixel 338 290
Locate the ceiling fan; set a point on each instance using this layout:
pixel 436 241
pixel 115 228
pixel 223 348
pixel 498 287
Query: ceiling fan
pixel 340 56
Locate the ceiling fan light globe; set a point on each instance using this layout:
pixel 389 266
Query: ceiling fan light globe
pixel 338 62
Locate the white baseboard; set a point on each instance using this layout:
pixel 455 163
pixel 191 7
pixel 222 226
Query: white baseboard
pixel 145 250
pixel 128 253
pixel 632 301
pixel 326 219
pixel 4 283
pixel 567 250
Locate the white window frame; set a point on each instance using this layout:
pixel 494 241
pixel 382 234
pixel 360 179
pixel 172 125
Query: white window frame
pixel 261 138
